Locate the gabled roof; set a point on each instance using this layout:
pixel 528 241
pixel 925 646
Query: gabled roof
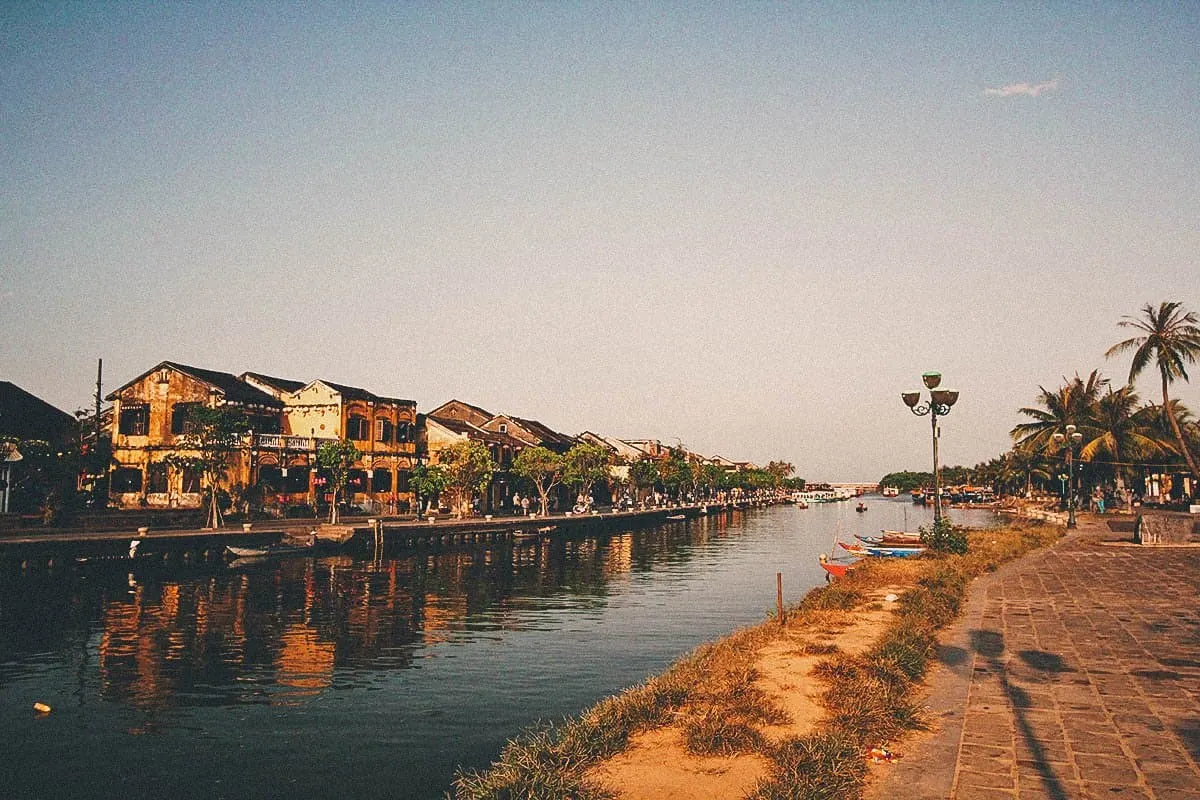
pixel 280 384
pixel 235 391
pixel 464 428
pixel 482 413
pixel 355 393
pixel 26 416
pixel 541 431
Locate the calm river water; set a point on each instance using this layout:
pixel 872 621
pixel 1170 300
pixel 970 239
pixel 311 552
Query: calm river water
pixel 336 677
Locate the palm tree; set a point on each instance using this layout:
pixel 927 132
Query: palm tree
pixel 1121 430
pixel 1171 339
pixel 1071 404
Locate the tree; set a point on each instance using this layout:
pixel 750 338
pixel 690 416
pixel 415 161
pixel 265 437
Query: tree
pixel 428 482
pixel 469 468
pixel 1120 430
pixel 337 458
pixel 1070 404
pixel 44 480
pixel 779 471
pixel 1171 339
pixel 643 474
pixel 541 467
pixel 584 465
pixel 213 436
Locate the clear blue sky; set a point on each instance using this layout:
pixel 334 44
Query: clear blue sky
pixel 747 227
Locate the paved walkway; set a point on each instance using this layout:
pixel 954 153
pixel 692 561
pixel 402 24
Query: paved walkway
pixel 1074 673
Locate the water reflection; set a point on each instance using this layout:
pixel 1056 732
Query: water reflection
pixel 438 654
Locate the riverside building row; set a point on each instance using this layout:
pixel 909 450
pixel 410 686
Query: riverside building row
pixel 291 419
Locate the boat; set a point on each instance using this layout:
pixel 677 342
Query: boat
pixel 286 547
pixel 677 516
pixel 836 569
pixel 890 491
pixel 861 507
pixel 882 551
pixel 857 549
pixel 891 538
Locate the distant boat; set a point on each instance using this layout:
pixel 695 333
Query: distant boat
pixel 861 507
pixel 677 516
pixel 890 491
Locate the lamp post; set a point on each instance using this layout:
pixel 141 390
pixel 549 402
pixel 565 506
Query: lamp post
pixel 938 405
pixel 1070 440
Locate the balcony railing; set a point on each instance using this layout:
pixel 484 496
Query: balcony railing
pixel 277 441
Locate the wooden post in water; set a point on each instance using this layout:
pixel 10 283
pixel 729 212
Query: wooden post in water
pixel 779 595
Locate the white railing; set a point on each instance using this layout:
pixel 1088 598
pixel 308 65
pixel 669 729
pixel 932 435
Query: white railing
pixel 277 441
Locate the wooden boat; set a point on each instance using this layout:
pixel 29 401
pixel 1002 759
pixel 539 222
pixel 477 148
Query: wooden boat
pixel 677 516
pixel 882 551
pixel 856 549
pixel 890 540
pixel 277 549
pixel 836 569
pixel 861 507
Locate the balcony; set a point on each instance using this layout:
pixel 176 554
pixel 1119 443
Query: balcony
pixel 300 444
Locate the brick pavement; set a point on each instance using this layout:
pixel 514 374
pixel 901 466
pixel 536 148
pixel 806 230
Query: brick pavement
pixel 1074 673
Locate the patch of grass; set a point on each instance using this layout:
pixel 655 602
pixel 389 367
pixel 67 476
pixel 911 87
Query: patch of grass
pixel 823 766
pixel 871 697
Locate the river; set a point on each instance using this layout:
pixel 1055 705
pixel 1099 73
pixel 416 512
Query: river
pixel 343 677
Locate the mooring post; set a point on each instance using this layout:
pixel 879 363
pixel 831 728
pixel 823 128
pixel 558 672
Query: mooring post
pixel 779 595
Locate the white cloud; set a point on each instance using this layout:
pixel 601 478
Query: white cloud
pixel 1030 89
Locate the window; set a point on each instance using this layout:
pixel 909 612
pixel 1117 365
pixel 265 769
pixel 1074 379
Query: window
pixel 134 421
pixel 381 480
pixel 356 429
pixel 404 432
pixel 384 430
pixel 504 427
pixel 296 481
pixel 270 478
pixel 156 479
pixel 402 478
pixel 191 481
pixel 181 421
pixel 126 479
pixel 356 480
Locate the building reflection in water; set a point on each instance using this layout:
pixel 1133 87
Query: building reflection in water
pixel 284 631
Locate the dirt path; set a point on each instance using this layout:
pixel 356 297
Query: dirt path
pixel 657 764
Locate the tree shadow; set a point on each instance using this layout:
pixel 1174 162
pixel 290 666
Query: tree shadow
pixel 989 645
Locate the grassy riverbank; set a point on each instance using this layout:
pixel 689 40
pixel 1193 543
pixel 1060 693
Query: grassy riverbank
pixel 777 710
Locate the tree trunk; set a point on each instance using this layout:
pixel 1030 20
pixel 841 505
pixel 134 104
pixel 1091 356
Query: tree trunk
pixel 333 509
pixel 1183 448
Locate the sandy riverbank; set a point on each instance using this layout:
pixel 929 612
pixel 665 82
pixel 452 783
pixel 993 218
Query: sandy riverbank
pixel 770 707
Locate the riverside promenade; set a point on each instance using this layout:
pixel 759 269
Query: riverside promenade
pixel 1073 673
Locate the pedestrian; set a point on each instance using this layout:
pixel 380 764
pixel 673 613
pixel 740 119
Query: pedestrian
pixel 524 506
pixel 516 503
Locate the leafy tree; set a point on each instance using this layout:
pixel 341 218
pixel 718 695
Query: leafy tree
pixel 337 458
pixel 469 468
pixel 428 481
pixel 943 537
pixel 1070 404
pixel 584 465
pixel 906 481
pixel 675 474
pixel 541 467
pixel 643 473
pixel 214 436
pixel 1170 338
pixel 1120 430
pixel 44 480
pixel 779 470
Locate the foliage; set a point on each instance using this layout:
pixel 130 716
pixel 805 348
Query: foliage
pixel 1170 338
pixel 644 474
pixel 44 480
pixel 213 436
pixel 541 467
pixel 469 468
pixel 428 481
pixel 584 465
pixel 907 481
pixel 942 537
pixel 337 458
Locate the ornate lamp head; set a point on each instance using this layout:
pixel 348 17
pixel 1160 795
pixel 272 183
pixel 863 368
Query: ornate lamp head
pixel 931 379
pixel 910 398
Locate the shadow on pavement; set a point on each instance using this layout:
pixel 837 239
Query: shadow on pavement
pixel 990 646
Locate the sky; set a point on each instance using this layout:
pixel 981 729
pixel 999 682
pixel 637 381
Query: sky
pixel 744 228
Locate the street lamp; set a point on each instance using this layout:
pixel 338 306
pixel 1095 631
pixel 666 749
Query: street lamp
pixel 938 405
pixel 1070 440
